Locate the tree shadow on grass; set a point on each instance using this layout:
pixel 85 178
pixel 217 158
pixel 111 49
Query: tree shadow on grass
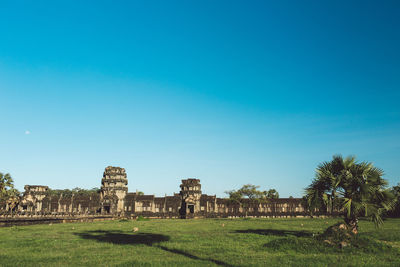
pixel 118 237
pixel 149 239
pixel 180 252
pixel 276 232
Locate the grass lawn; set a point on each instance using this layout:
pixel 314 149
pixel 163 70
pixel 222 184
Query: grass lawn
pixel 226 242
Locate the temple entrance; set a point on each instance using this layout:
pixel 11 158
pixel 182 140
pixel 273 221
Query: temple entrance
pixel 106 209
pixel 186 210
pixel 191 209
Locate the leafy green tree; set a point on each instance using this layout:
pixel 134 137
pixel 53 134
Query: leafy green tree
pixel 6 183
pixel 271 194
pixel 8 193
pixel 250 191
pixel 7 186
pixel 357 189
pixel 246 196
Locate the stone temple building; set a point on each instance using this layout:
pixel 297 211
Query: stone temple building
pixel 114 199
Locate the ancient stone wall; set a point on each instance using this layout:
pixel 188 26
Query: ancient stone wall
pixel 114 200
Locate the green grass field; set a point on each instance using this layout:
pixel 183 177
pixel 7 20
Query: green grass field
pixel 226 242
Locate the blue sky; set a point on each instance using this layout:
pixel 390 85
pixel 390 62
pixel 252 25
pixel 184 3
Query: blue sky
pixel 230 92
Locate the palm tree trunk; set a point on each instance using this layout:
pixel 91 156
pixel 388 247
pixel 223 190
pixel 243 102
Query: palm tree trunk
pixel 332 201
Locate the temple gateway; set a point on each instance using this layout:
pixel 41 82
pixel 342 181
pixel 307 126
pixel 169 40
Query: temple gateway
pixel 114 199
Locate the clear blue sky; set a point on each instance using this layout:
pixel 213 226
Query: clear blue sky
pixel 228 92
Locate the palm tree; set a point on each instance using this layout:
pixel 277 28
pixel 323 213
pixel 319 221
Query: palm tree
pixel 364 192
pixel 358 189
pixel 322 193
pixel 6 183
pixel 396 192
pixel 316 196
pixel 8 193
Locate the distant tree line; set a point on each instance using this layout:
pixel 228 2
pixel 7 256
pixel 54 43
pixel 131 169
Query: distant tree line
pixel 249 194
pixel 73 192
pixel 10 195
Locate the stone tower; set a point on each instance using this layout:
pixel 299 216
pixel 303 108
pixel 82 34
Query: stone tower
pixel 33 197
pixel 190 194
pixel 114 187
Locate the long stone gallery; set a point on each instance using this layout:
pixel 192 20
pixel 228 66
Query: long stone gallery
pixel 114 200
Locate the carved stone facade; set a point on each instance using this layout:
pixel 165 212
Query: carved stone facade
pixel 114 199
pixel 114 187
pixel 32 199
pixel 190 194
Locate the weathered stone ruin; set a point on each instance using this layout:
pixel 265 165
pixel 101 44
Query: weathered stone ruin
pixel 190 194
pixel 115 200
pixel 114 187
pixel 33 197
